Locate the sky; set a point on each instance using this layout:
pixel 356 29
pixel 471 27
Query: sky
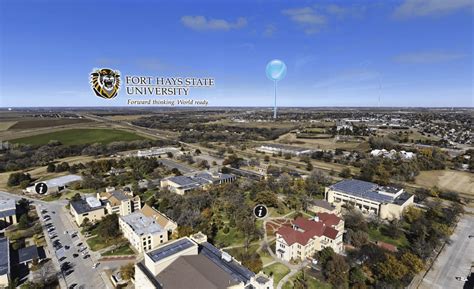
pixel 338 53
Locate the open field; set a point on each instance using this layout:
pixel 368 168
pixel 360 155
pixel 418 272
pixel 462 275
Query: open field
pixel 80 136
pixel 4 125
pixel 449 180
pixel 37 123
pixel 129 117
pixel 324 144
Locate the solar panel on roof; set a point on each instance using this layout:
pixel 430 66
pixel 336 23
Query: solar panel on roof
pixel 237 271
pixel 170 249
pixel 361 189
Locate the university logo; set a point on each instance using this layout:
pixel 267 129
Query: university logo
pixel 105 82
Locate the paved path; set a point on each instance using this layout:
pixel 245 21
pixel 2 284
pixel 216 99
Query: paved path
pixel 455 259
pixel 292 272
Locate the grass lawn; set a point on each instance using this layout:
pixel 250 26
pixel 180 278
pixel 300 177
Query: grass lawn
pixel 80 136
pixel 122 250
pixel 278 271
pixel 96 243
pixel 376 235
pixel 52 197
pixel 234 237
pixel 311 282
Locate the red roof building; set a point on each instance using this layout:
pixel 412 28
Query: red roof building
pixel 306 236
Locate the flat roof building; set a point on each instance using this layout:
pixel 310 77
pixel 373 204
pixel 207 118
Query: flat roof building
pixel 387 202
pixel 143 232
pixel 89 207
pixel 7 212
pixel 183 184
pixel 283 149
pixel 4 262
pixel 192 262
pixel 55 185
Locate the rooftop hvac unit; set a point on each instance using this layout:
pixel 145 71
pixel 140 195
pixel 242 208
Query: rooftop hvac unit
pixel 226 257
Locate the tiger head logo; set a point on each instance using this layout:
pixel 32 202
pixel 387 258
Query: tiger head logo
pixel 105 82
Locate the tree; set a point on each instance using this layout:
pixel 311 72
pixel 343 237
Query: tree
pixel 76 197
pixel 391 269
pixel 356 276
pixel 127 271
pixel 108 228
pixel 359 238
pixel 309 166
pixel 325 255
pixel 345 173
pixel 16 179
pixel 337 272
pixel 23 222
pixel 412 262
pixel 197 151
pixel 51 168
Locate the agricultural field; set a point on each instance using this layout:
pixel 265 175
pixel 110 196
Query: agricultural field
pixel 5 125
pixel 447 180
pixel 80 136
pixel 40 123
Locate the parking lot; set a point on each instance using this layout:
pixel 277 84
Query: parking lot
pixel 75 261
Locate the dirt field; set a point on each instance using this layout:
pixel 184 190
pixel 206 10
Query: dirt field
pixel 322 143
pixel 127 117
pixel 461 182
pixel 80 136
pixel 4 125
pixel 37 123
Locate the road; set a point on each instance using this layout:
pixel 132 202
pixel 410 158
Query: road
pixel 83 273
pixel 172 164
pixel 455 259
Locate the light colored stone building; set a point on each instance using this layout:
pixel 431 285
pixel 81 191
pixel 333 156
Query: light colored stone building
pixel 90 208
pixel 307 236
pixel 192 262
pixel 143 233
pixel 387 202
pixel 121 203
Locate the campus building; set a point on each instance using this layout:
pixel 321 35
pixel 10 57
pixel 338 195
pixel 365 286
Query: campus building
pixel 4 262
pixel 307 236
pixel 161 219
pixel 121 203
pixel 387 202
pixel 7 213
pixel 283 149
pixel 143 233
pixel 55 185
pixel 182 184
pixel 90 208
pixel 158 152
pixel 192 262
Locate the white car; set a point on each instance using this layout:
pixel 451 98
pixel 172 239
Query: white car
pixel 95 265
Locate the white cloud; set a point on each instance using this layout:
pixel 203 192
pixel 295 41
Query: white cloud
pixel 417 8
pixel 345 78
pixel 307 17
pixel 270 29
pixel 428 57
pixel 201 23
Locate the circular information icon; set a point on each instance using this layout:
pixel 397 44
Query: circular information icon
pixel 260 211
pixel 41 188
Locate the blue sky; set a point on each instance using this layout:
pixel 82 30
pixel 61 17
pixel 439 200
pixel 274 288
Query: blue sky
pixel 338 53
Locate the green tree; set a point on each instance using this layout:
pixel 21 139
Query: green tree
pixel 127 271
pixel 108 228
pixel 337 272
pixel 391 269
pixel 51 168
pixel 23 222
